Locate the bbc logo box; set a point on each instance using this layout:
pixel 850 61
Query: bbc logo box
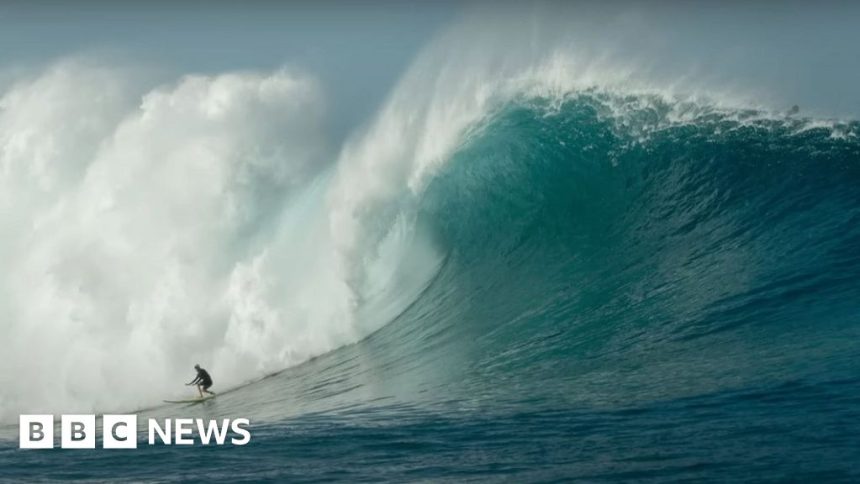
pixel 36 431
pixel 78 431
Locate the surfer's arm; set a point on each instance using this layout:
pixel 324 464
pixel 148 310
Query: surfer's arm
pixel 194 381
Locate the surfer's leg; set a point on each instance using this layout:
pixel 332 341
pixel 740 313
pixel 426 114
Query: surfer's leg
pixel 200 389
pixel 206 389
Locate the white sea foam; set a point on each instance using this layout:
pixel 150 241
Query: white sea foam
pixel 135 237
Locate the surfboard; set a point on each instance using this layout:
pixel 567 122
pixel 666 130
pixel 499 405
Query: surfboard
pixel 192 400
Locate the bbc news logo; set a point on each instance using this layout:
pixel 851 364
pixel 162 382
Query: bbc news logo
pixel 120 431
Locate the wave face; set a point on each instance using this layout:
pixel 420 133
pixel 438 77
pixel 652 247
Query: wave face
pixel 633 288
pixel 671 249
pixel 618 252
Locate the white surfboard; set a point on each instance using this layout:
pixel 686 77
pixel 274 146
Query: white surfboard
pixel 191 400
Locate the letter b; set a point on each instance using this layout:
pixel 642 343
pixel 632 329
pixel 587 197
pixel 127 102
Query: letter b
pixel 36 431
pixel 78 431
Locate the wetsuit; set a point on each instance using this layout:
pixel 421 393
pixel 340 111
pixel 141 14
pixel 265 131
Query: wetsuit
pixel 203 379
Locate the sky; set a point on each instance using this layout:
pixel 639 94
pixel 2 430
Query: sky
pixel 791 52
pixel 356 49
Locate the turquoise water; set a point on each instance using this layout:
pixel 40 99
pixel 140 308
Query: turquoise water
pixel 632 289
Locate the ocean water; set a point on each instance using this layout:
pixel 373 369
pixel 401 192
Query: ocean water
pixel 630 289
pixel 535 262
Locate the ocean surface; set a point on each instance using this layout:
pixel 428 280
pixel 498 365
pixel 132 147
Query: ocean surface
pixel 627 288
pixel 569 242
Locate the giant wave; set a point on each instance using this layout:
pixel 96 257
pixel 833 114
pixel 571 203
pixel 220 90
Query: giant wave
pixel 510 253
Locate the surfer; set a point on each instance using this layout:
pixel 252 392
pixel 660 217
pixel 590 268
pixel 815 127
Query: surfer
pixel 203 381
